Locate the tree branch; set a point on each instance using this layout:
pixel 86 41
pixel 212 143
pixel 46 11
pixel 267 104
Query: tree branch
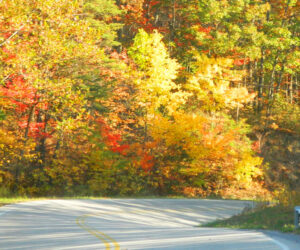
pixel 12 35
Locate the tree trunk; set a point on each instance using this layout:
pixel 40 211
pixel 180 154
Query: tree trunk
pixel 260 83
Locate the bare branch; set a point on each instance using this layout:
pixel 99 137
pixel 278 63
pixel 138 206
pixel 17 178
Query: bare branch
pixel 12 35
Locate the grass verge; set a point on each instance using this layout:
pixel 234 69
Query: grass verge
pixel 7 201
pixel 277 218
pixel 11 200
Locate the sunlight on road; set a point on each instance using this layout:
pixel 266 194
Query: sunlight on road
pixel 125 224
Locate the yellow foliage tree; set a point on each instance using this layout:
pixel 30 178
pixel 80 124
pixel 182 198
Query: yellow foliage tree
pixel 212 153
pixel 211 84
pixel 156 73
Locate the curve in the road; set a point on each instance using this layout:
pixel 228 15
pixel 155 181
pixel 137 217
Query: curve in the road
pixel 168 224
pixel 106 239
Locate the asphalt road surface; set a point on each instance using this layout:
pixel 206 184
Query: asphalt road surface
pixel 130 224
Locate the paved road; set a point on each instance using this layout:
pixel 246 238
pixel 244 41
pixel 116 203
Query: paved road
pixel 129 224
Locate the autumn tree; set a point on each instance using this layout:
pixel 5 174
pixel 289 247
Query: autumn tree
pixel 127 97
pixel 49 52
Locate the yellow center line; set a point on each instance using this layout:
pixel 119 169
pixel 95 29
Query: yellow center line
pixel 106 239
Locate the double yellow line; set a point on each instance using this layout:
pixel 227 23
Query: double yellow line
pixel 106 239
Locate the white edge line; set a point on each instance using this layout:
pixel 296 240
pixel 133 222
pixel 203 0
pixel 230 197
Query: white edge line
pixel 283 247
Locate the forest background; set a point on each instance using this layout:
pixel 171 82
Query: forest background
pixel 142 97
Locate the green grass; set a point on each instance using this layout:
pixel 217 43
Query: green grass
pixel 18 199
pixel 6 201
pixel 277 218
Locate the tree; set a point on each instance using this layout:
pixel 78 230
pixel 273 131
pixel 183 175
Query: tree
pixel 47 51
pixel 157 72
